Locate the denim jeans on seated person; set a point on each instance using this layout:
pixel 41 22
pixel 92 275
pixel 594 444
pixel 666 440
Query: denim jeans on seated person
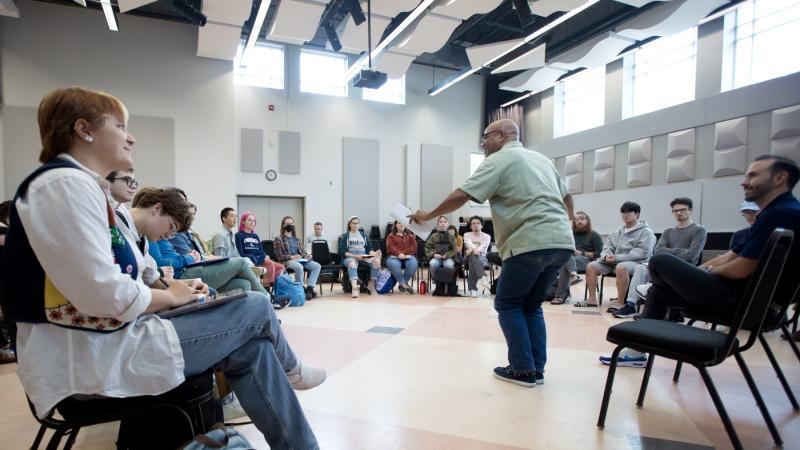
pixel 244 340
pixel 395 266
pixel 352 265
pixel 232 274
pixel 574 264
pixel 313 268
pixel 520 292
pixel 434 264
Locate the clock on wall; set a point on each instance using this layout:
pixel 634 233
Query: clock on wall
pixel 271 175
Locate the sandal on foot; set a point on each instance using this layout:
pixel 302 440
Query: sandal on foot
pixel 557 301
pixel 584 304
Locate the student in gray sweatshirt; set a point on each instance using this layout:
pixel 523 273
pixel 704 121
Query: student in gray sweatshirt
pixel 627 247
pixel 686 241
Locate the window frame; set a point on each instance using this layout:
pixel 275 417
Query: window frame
pixel 366 93
pixel 570 92
pixel 344 86
pixel 241 77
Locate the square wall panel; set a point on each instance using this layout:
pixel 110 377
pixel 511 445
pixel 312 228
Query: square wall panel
pixel 604 179
pixel 574 164
pixel 730 161
pixel 640 151
pixel 575 183
pixel 639 174
pixel 788 147
pixel 785 122
pixel 680 168
pixel 604 158
pixel 680 143
pixel 730 133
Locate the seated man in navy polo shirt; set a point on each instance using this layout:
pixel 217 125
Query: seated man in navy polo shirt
pixel 717 285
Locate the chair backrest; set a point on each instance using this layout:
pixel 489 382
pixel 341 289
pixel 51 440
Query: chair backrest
pixel 375 232
pixel 269 248
pixel 388 230
pixel 421 251
pixel 321 253
pixel 758 296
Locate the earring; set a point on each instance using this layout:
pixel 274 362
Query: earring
pixel 88 139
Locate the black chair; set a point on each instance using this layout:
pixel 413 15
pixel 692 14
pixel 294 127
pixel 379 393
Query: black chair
pixel 375 232
pixel 269 248
pixel 191 404
pixel 422 260
pixel 330 271
pixel 705 348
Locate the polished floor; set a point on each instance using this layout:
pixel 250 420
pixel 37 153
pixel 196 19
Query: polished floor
pixel 415 372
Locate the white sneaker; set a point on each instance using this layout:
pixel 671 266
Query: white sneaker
pixel 483 284
pixel 305 377
pixel 473 294
pixel 642 290
pixel 231 408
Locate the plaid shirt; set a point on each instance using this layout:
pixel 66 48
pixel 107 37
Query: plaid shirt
pixel 282 248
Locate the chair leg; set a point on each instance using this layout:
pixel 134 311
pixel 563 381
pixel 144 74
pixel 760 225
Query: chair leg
pixel 71 439
pixel 759 400
pixel 677 375
pixel 612 368
pixel 600 298
pixel 645 379
pixel 38 439
pixel 723 414
pixel 791 341
pixel 55 440
pixel 779 372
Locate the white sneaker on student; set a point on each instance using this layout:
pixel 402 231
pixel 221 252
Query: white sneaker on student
pixel 473 294
pixel 231 408
pixel 642 290
pixel 305 377
pixel 483 283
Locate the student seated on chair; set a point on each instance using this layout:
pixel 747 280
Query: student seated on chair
pixel 588 245
pixel 290 252
pixel 440 248
pixel 476 244
pixel 401 245
pixel 453 231
pixel 315 236
pixel 749 211
pixel 356 250
pixel 627 247
pixel 248 244
pixel 686 241
pixel 84 314
pixel 232 274
pixel 716 286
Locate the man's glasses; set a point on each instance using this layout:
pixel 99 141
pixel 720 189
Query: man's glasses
pixel 680 210
pixel 485 135
pixel 130 181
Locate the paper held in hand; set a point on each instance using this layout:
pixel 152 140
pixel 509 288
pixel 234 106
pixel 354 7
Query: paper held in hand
pixel 401 213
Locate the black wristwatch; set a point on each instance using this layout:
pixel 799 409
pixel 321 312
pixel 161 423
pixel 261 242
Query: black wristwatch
pixel 583 253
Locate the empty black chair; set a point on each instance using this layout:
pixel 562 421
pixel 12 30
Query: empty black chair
pixel 320 252
pixel 705 348
pixel 422 260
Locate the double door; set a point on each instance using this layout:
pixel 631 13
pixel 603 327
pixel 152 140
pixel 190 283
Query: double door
pixel 270 210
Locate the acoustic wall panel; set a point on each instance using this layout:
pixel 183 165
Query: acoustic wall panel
pixel 640 153
pixel 360 168
pixel 785 133
pixel 436 168
pixel 289 152
pixel 680 155
pixel 730 147
pixel 604 169
pixel 252 150
pixel 574 172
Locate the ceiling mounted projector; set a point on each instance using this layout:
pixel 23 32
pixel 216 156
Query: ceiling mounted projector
pixel 369 79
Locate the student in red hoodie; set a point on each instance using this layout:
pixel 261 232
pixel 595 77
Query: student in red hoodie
pixel 402 246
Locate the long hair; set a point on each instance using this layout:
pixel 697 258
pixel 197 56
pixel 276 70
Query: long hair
pixel 283 229
pixel 588 222
pixel 244 217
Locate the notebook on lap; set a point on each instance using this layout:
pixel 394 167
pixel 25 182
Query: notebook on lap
pixel 207 301
pixel 207 262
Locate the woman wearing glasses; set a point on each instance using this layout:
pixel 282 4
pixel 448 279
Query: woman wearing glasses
pixel 82 310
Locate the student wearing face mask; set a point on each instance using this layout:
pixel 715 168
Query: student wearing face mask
pixel 290 252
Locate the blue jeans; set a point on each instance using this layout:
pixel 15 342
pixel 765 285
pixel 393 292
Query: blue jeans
pixel 313 268
pixel 522 288
pixel 352 267
pixel 395 266
pixel 434 264
pixel 244 340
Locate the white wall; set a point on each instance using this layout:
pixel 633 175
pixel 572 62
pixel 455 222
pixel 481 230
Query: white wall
pixel 150 65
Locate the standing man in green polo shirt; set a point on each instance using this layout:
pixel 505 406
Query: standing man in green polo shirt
pixel 531 211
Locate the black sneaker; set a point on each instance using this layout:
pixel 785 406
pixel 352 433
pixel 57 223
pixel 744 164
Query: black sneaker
pixel 522 379
pixel 280 302
pixel 626 312
pixel 539 376
pixel 313 292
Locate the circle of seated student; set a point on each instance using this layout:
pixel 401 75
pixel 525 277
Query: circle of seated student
pixel 188 260
pixel 90 320
pixel 248 245
pixel 440 248
pixel 476 244
pixel 290 252
pixel 356 250
pixel 401 245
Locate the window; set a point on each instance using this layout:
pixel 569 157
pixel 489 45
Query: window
pixel 323 73
pixel 264 66
pixel 581 101
pixel 393 91
pixel 760 42
pixel 664 72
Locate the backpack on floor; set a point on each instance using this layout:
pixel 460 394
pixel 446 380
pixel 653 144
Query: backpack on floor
pixel 446 285
pixel 384 282
pixel 285 286
pixel 219 437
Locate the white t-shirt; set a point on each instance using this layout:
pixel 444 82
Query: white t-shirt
pixel 356 244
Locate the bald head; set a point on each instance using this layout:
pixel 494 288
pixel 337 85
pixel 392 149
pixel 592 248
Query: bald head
pixel 497 134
